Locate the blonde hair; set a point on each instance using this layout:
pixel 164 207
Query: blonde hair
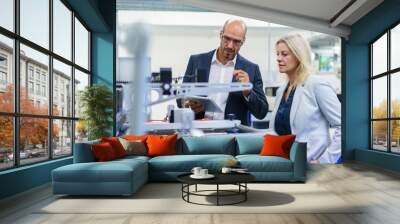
pixel 301 49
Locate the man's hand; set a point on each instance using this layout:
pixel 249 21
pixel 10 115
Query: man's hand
pixel 195 105
pixel 314 162
pixel 243 77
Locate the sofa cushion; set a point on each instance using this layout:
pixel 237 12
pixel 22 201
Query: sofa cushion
pixel 249 143
pixel 129 159
pixel 112 171
pixel 160 145
pixel 277 145
pixel 185 163
pixel 103 152
pixel 134 147
pixel 116 145
pixel 135 137
pixel 257 163
pixel 211 144
pixel 93 172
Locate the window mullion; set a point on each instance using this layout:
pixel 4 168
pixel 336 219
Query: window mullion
pixel 371 86
pixel 16 84
pixel 73 82
pixel 389 106
pixel 50 81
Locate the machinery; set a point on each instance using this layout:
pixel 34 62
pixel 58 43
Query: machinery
pixel 136 91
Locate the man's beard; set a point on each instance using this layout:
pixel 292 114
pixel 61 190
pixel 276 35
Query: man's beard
pixel 229 53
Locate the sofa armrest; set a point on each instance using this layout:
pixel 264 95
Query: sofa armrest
pixel 298 155
pixel 83 152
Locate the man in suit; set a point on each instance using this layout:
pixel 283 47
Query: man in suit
pixel 225 65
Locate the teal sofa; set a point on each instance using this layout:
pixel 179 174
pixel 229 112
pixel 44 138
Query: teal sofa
pixel 125 176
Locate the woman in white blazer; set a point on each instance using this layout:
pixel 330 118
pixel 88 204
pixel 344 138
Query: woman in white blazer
pixel 306 105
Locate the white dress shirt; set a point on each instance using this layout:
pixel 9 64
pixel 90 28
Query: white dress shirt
pixel 220 74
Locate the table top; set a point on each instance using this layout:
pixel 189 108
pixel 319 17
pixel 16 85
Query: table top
pixel 220 178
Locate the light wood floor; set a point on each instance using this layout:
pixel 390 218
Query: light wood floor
pixel 377 188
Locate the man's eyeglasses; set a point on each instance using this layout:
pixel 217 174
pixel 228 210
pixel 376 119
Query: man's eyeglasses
pixel 235 42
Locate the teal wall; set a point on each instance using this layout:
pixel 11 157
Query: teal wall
pixel 356 118
pixel 24 178
pixel 99 16
pixel 104 53
pixel 103 58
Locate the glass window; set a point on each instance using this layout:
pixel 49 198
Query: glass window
pixel 6 74
pixel 30 71
pixel 37 89
pixel 33 139
pixel 81 81
pixel 62 72
pixel 379 133
pixel 379 98
pixel 81 131
pixel 7 14
pixel 3 61
pixel 81 45
pixel 44 91
pixel 30 88
pixel 35 21
pixel 40 62
pixel 37 75
pixel 379 56
pixel 395 136
pixel 395 95
pixel 34 80
pixel 3 78
pixel 6 142
pixel 395 47
pixel 62 29
pixel 62 138
pixel 382 138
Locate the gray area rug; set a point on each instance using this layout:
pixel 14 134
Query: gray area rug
pixel 166 198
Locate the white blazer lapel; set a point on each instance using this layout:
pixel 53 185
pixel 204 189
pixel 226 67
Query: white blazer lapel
pixel 295 104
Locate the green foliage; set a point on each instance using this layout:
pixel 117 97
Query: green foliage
pixel 96 102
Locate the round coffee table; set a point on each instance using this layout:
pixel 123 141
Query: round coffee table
pixel 238 179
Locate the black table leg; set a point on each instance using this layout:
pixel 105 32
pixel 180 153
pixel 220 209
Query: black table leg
pixel 217 194
pixel 182 190
pixel 188 190
pixel 245 193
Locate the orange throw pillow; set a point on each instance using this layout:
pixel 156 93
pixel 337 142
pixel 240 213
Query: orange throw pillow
pixel 160 145
pixel 116 145
pixel 277 145
pixel 135 137
pixel 103 152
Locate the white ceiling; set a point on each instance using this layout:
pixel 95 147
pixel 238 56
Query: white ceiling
pixel 321 9
pixel 333 17
pixel 315 15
